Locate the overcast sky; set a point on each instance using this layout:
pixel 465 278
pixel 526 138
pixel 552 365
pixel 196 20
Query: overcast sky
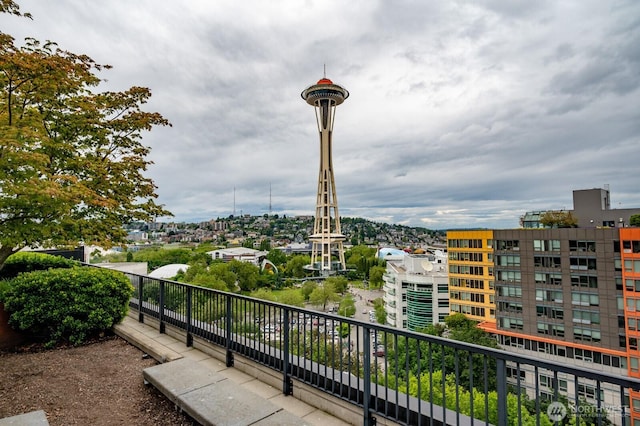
pixel 461 113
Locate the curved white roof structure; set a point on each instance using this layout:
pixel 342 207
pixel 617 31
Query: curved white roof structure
pixel 168 271
pixel 389 251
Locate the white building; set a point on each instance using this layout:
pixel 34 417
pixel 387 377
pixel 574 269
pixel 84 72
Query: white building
pixel 416 290
pixel 243 254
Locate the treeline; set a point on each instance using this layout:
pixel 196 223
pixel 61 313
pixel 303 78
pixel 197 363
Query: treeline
pixel 362 264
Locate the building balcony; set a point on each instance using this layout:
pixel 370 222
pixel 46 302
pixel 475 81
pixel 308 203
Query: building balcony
pixel 375 374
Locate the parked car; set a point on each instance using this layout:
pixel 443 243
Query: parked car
pixel 379 351
pixel 270 328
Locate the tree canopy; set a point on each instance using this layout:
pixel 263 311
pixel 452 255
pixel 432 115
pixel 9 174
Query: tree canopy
pixel 323 294
pixel 72 161
pixel 558 219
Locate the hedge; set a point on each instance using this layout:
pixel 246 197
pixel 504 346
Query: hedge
pixel 27 261
pixel 67 305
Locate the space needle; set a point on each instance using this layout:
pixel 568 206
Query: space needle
pixel 327 251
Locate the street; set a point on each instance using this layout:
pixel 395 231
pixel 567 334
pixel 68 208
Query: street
pixel 362 297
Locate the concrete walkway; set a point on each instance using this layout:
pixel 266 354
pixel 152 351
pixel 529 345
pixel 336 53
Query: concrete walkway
pixel 34 418
pixel 222 392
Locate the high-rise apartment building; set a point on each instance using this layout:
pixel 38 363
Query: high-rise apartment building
pixel 471 281
pixel 570 295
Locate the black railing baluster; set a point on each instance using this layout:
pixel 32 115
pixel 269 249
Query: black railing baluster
pixel 287 387
pixel 471 390
pixel 229 360
pixel 444 385
pixel 430 350
pixel 623 404
pixel 419 373
pixel 140 298
pixel 366 398
pixel 537 394
pixel 188 319
pixel 161 306
pixel 485 367
pixel 599 410
pixel 501 390
pixel 519 390
pixel 457 373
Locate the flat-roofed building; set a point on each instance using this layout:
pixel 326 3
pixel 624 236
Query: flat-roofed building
pixel 416 292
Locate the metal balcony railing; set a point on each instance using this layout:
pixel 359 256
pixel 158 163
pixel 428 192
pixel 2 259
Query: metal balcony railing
pixel 408 377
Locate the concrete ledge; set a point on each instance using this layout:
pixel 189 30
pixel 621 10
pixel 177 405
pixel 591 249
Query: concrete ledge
pixel 34 418
pixel 350 413
pixel 212 399
pixel 181 377
pixel 146 344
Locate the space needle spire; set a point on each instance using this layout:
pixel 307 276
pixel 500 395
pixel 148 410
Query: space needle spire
pixel 327 251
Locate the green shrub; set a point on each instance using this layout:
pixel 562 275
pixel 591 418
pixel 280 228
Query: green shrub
pixel 27 261
pixel 4 287
pixel 68 305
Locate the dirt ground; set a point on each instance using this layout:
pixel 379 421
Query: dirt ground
pixel 97 384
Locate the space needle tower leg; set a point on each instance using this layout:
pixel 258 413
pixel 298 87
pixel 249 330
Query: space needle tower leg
pixel 327 251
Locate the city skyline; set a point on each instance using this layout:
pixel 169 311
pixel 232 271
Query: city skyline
pixel 461 115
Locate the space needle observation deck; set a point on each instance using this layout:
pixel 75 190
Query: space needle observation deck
pixel 327 251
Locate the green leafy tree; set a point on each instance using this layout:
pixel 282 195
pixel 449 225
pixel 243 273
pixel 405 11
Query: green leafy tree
pixel 277 257
pixel 466 330
pixel 323 294
pixel 361 251
pixel 264 294
pixel 437 329
pixel 379 311
pixel 634 220
pixel 375 276
pixel 267 279
pixel 223 272
pixel 247 274
pixel 71 157
pixel 347 306
pixel 339 283
pixel 158 257
pixel 265 245
pixel 558 219
pixel 307 288
pixel 199 257
pixel 361 258
pixel 431 388
pixel 345 330
pixel 295 266
pixel 200 275
pixel 459 328
pixel 292 297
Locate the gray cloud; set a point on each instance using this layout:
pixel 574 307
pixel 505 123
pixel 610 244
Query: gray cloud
pixel 461 114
